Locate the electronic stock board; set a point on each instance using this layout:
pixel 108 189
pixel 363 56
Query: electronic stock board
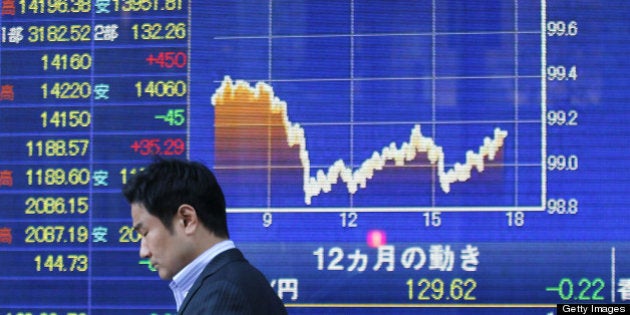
pixel 378 157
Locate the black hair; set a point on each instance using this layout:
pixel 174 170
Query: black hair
pixel 165 184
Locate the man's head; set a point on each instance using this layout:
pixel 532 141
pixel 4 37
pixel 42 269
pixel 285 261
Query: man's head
pixel 179 209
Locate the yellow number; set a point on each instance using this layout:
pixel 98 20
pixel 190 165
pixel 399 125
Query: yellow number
pixel 158 31
pixel 436 289
pixel 462 289
pixel 56 205
pixel 56 234
pixel 128 235
pixel 59 33
pixel 58 176
pixel 62 62
pixel 170 88
pixel 61 263
pixel 63 119
pixel 67 90
pixel 58 148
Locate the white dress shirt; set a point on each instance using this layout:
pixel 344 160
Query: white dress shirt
pixel 185 278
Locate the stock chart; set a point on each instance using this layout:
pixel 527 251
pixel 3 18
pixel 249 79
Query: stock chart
pixel 377 157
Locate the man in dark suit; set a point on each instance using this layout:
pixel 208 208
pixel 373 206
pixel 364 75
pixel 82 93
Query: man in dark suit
pixel 179 209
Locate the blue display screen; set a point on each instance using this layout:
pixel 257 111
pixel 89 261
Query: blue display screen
pixel 377 157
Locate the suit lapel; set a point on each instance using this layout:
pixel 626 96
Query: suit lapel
pixel 215 264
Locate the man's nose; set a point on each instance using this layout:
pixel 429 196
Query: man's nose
pixel 144 250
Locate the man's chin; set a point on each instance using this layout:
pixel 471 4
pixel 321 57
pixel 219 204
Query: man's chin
pixel 164 275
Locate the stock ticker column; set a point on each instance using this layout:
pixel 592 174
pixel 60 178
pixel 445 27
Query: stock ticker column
pixel 90 90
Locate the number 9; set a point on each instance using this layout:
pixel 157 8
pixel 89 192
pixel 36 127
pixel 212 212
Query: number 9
pixel 267 219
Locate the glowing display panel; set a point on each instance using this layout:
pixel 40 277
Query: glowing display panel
pixel 460 157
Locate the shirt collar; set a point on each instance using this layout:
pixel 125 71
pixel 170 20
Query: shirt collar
pixel 185 278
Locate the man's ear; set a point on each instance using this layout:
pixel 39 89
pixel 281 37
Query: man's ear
pixel 187 217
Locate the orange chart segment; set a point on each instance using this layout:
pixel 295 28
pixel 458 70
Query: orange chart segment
pixel 253 131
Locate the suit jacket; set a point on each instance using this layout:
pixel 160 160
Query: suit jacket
pixel 231 285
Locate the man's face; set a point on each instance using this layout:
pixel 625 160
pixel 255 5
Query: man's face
pixel 165 249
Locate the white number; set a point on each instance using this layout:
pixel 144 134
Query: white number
pixel 562 118
pixel 516 218
pixel 336 253
pixel 562 162
pixel 561 73
pixel 267 219
pixel 562 206
pixel 562 28
pixel 349 219
pixel 432 219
